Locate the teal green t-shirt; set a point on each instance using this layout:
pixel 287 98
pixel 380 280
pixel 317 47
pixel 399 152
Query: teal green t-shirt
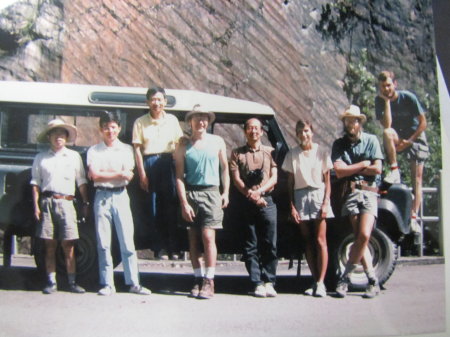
pixel 202 164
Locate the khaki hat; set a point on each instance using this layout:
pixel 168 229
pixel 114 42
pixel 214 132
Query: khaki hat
pixel 353 111
pixel 54 124
pixel 197 109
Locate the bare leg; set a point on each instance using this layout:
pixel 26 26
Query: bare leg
pixel 50 255
pixel 390 140
pixel 321 249
pixel 194 247
pixel 309 248
pixel 362 228
pixel 417 177
pixel 209 244
pixel 69 253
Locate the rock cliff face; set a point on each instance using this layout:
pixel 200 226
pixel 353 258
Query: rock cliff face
pixel 262 50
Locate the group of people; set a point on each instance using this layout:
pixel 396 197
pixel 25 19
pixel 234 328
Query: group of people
pixel 192 174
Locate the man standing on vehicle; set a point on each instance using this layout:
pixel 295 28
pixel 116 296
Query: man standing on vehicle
pixel 53 177
pixel 254 173
pixel 357 158
pixel 201 167
pixel 404 123
pixel 155 136
pixel 111 165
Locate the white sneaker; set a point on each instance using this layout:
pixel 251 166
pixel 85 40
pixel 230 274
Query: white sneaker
pixel 393 177
pixel 140 290
pixel 312 290
pixel 415 226
pixel 321 291
pixel 260 291
pixel 270 290
pixel 106 291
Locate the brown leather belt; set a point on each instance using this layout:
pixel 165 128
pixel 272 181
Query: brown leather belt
pixel 49 194
pixel 362 185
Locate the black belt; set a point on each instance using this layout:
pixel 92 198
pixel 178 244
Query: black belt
pixel 157 154
pixel 110 189
pixel 202 188
pixel 54 195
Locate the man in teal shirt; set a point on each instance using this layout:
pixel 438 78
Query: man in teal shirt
pixel 201 165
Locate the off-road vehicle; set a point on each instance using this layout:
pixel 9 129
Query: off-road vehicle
pixel 26 107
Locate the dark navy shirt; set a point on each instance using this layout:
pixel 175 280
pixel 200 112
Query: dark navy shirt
pixel 366 148
pixel 405 111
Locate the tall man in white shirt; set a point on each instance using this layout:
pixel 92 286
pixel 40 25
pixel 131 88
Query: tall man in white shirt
pixel 53 177
pixel 111 165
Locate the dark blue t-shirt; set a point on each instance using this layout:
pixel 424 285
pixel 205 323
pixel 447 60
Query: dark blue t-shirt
pixel 366 148
pixel 405 111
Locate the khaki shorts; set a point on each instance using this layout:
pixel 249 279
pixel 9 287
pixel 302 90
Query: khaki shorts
pixel 59 220
pixel 308 202
pixel 207 206
pixel 361 201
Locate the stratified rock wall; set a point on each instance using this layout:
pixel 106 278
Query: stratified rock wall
pixel 264 51
pixel 268 51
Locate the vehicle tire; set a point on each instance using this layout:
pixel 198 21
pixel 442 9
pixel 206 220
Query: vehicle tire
pixel 384 254
pixel 85 254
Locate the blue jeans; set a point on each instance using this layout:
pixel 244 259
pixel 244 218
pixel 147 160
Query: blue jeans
pixel 163 210
pixel 113 208
pixel 260 247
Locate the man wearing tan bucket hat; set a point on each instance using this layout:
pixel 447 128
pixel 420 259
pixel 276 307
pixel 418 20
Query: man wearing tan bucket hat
pixel 357 158
pixel 202 184
pixel 53 177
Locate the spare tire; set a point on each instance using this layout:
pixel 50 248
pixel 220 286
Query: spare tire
pixel 384 254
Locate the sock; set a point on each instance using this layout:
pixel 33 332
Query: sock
pixel 349 268
pixel 370 273
pixel 52 277
pixel 198 272
pixel 394 166
pixel 210 271
pixel 71 278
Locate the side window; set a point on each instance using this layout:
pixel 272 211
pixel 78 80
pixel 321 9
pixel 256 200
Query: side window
pixel 20 126
pixel 87 127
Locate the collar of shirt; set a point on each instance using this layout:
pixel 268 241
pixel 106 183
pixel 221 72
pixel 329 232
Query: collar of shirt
pixel 250 149
pixel 116 144
pixel 158 121
pixel 62 152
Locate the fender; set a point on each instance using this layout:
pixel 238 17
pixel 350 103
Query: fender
pixel 395 205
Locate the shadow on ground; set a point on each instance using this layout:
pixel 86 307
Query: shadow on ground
pixel 30 279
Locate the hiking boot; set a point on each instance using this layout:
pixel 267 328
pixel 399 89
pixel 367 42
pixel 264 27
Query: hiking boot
pixel 321 291
pixel 50 288
pixel 373 289
pixel 76 289
pixel 207 290
pixel 270 290
pixel 342 287
pixel 260 291
pixel 197 287
pixel 106 291
pixel 140 290
pixel 393 177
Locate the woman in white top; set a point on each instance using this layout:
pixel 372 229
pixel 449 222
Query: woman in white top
pixel 308 166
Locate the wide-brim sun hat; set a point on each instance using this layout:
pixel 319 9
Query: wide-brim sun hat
pixel 199 110
pixel 54 124
pixel 354 112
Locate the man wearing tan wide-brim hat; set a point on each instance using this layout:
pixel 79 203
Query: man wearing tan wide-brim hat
pixel 353 111
pixel 58 123
pixel 357 159
pixel 54 174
